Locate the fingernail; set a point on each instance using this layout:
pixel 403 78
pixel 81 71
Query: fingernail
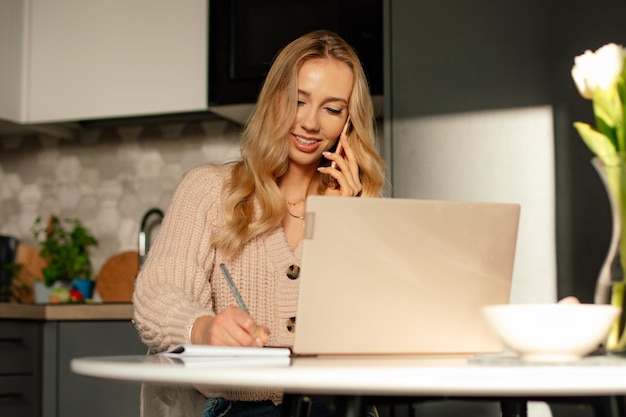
pixel 259 342
pixel 325 153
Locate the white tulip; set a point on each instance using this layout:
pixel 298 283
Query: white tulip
pixel 607 65
pixel 598 70
pixel 581 73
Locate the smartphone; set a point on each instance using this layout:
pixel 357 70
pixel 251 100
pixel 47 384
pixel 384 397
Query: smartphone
pixel 345 131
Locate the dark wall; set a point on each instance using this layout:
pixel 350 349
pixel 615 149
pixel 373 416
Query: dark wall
pixel 456 56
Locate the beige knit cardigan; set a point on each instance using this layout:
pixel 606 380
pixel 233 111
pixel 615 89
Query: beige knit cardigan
pixel 181 280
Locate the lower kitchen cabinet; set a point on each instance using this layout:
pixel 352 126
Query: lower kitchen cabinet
pixel 35 374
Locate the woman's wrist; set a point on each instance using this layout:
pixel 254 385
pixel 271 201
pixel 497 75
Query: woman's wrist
pixel 198 330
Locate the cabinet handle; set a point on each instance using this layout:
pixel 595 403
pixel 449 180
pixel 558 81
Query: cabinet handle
pixel 11 340
pixel 10 395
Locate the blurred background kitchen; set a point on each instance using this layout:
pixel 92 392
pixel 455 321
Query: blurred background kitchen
pixel 107 177
pixel 104 106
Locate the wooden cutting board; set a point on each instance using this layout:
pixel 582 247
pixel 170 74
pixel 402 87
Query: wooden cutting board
pixel 31 265
pixel 116 280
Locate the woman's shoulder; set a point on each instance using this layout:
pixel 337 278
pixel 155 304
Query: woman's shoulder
pixel 209 173
pixel 205 179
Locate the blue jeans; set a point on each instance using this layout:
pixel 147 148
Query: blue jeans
pixel 219 407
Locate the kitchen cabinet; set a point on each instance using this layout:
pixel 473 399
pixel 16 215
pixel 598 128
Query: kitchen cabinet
pixel 35 375
pixel 20 370
pixel 68 60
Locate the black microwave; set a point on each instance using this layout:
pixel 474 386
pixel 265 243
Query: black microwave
pixel 245 35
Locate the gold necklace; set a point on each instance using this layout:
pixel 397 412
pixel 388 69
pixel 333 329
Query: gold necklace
pixel 294 215
pixel 289 203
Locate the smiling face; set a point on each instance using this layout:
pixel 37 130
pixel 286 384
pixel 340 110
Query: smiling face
pixel 324 88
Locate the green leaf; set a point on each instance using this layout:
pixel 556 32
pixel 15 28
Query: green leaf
pixel 598 143
pixel 603 128
pixel 621 91
pixel 607 107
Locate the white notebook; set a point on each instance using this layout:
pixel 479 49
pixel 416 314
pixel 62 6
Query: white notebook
pixel 227 355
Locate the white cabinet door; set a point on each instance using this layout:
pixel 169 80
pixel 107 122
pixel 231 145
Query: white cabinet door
pixel 90 59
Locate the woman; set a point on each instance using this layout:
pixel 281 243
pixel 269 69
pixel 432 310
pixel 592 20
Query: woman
pixel 249 215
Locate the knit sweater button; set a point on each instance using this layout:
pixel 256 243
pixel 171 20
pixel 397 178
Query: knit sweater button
pixel 291 324
pixel 293 271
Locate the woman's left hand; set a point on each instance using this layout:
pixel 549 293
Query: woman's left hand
pixel 344 175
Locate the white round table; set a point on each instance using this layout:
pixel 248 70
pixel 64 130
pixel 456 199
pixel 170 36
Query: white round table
pixel 493 377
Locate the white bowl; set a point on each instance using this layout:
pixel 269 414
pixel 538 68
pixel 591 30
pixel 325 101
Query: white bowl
pixel 551 332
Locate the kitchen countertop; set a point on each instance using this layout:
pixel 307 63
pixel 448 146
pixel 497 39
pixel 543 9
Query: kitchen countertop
pixel 73 312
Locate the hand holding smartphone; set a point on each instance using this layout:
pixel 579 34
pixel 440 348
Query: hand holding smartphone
pixel 333 182
pixel 339 148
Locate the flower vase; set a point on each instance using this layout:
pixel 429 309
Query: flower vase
pixel 610 283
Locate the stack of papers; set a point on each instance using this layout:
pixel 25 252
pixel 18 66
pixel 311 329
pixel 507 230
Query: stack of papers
pixel 228 355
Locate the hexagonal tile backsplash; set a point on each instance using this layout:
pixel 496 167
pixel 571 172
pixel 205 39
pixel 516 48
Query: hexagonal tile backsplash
pixel 107 177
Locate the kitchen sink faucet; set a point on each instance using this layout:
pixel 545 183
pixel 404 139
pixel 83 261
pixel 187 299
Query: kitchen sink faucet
pixel 151 219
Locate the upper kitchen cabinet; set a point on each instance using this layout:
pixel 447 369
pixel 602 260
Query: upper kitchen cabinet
pixel 66 60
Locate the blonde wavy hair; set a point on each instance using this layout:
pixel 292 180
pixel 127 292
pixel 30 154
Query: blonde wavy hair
pixel 254 204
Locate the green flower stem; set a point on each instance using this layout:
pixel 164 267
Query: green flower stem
pixel 616 339
pixel 621 98
pixel 617 187
pixel 615 182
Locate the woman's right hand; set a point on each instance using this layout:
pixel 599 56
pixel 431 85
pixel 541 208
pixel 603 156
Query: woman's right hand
pixel 344 170
pixel 231 327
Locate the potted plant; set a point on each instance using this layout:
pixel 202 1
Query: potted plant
pixel 65 248
pixel 14 290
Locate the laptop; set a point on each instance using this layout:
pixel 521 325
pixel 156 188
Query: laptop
pixel 403 276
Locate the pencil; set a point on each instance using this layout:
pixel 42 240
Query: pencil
pixel 233 288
